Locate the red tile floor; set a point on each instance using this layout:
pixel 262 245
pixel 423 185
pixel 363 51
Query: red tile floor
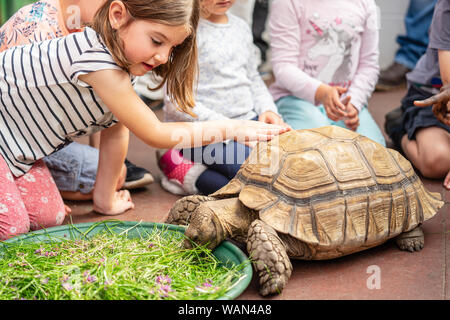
pixel 383 272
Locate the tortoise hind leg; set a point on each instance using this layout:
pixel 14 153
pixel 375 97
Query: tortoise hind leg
pixel 412 240
pixel 183 208
pixel 268 254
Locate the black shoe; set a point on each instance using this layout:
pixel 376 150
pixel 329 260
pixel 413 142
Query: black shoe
pixel 393 77
pixel 137 177
pixel 394 128
pixel 390 119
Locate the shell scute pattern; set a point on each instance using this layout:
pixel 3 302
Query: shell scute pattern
pixel 332 189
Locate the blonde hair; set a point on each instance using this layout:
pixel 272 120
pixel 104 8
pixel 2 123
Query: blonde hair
pixel 180 72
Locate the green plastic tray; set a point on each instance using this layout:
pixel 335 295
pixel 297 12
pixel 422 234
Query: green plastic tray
pixel 227 252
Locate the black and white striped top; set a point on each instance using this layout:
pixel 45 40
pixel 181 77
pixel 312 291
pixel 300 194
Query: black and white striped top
pixel 43 105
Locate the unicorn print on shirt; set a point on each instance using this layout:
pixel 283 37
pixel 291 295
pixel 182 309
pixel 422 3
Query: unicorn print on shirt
pixel 334 42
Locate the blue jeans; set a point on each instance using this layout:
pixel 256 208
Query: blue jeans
pixel 417 22
pixel 223 161
pixel 301 114
pixel 74 167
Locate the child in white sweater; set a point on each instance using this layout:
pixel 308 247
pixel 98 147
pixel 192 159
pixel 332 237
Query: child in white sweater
pixel 229 87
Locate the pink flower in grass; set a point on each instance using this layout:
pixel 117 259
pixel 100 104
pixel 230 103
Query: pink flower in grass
pixel 67 286
pixel 163 280
pixel 164 283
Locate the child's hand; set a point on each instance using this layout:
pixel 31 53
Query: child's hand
pixel 330 98
pixel 352 119
pixel 441 104
pixel 272 118
pixel 121 202
pixel 248 130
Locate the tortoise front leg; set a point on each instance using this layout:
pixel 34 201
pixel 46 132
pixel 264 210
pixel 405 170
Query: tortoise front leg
pixel 269 257
pixel 412 240
pixel 183 208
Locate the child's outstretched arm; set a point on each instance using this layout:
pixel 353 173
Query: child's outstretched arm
pixel 115 89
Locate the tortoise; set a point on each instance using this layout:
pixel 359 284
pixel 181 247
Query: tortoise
pixel 311 194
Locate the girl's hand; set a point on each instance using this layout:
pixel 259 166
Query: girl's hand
pixel 329 96
pixel 270 117
pixel 352 119
pixel 441 104
pixel 121 202
pixel 249 130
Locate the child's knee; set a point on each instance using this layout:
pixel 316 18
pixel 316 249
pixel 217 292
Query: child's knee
pixel 14 218
pixel 41 198
pixel 435 164
pixel 13 222
pixel 46 216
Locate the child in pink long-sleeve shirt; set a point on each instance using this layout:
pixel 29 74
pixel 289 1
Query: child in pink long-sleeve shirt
pixel 325 62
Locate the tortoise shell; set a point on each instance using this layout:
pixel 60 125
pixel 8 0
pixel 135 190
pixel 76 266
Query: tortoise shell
pixel 333 189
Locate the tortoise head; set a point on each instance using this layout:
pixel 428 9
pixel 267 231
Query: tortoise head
pixel 204 228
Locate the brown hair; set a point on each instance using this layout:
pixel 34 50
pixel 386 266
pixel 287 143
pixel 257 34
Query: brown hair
pixel 180 71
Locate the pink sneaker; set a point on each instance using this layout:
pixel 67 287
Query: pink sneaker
pixel 179 174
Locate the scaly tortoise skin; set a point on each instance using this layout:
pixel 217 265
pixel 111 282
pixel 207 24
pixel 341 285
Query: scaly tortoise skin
pixel 312 194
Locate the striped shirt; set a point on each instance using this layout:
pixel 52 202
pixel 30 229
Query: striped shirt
pixel 43 104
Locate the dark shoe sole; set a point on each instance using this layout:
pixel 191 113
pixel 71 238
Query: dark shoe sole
pixel 142 182
pixel 384 87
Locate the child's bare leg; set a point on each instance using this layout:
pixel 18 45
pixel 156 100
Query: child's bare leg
pixel 430 152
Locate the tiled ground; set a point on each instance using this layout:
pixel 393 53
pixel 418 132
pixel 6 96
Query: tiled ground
pixel 402 275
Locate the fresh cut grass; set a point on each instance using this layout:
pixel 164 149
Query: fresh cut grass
pixel 112 266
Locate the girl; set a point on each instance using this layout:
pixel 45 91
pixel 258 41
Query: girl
pixel 229 87
pixel 58 89
pixel 73 168
pixel 325 63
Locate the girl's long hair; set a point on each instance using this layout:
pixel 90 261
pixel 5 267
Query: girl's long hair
pixel 180 72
